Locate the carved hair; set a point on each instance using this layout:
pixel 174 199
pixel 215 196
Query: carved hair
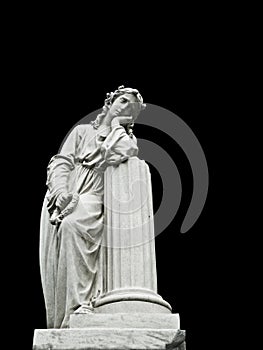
pixel 110 98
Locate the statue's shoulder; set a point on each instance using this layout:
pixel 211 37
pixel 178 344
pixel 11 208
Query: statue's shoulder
pixel 83 129
pixel 81 132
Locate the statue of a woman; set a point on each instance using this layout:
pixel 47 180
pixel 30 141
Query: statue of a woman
pixel 72 217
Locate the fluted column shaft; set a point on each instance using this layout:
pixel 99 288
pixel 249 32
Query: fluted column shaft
pixel 129 247
pixel 129 227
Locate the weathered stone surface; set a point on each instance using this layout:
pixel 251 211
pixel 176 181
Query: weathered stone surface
pixel 178 341
pixel 129 264
pixel 132 306
pixel 125 320
pixel 108 339
pixel 129 237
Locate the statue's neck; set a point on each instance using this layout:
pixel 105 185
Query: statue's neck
pixel 106 121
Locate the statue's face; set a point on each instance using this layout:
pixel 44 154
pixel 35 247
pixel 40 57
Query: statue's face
pixel 125 105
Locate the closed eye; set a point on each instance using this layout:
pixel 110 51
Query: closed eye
pixel 123 100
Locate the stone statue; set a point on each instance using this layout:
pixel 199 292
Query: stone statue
pixel 72 216
pixel 97 247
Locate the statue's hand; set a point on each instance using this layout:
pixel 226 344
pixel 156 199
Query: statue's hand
pixel 121 120
pixel 63 200
pixel 67 202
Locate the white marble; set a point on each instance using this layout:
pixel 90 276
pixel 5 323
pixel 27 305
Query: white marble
pixel 126 320
pixel 110 338
pixel 130 278
pixel 121 307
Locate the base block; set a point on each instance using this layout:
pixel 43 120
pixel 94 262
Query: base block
pixel 118 331
pixel 108 339
pixel 125 320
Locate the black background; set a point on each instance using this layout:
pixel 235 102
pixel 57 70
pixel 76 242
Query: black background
pixel 57 81
pixel 189 265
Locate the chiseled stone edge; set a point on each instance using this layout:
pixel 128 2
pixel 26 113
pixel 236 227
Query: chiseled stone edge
pixel 125 320
pixel 107 339
pixel 147 298
pixel 178 339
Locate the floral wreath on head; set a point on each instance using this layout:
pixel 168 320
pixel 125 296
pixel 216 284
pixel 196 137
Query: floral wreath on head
pixel 110 98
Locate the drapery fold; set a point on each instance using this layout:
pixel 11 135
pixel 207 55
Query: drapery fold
pixel 70 253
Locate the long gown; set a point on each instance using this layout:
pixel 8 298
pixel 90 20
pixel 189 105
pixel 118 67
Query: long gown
pixel 70 253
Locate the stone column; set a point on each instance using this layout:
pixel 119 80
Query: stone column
pixel 130 281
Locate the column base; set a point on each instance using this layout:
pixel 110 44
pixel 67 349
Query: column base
pixel 131 300
pixel 125 320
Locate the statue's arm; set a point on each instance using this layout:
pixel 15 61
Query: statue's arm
pixel 118 146
pixel 59 169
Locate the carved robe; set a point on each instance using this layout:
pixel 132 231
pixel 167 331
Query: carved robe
pixel 70 253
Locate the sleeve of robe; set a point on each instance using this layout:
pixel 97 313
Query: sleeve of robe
pixel 118 146
pixel 60 167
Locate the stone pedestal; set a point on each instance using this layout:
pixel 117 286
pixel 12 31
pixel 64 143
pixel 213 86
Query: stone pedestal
pixel 114 332
pixel 108 339
pixel 125 320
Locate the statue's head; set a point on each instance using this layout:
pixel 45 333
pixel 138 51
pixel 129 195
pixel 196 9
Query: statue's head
pixel 123 101
pixel 126 100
